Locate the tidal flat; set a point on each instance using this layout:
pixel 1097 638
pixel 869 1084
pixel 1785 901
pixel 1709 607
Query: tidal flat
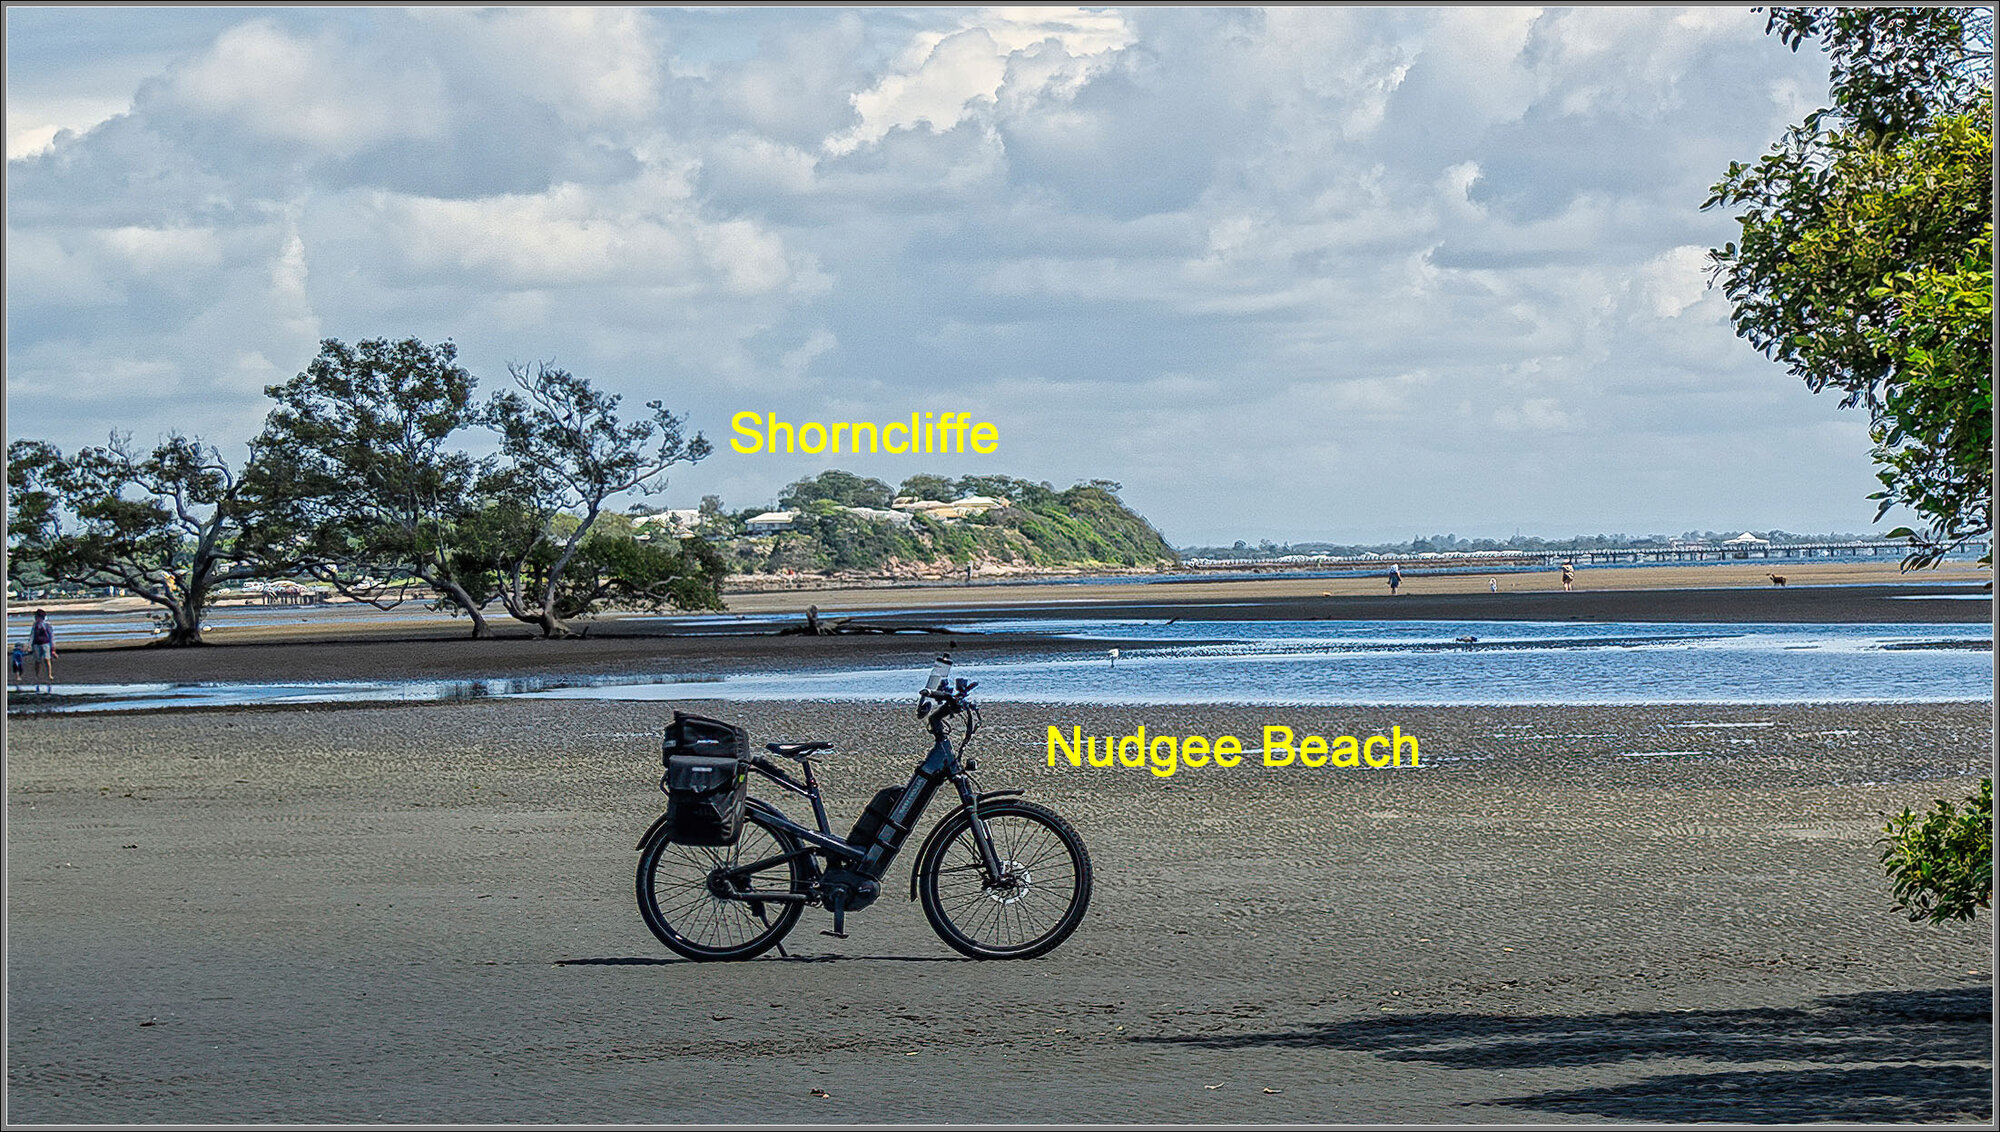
pixel 424 913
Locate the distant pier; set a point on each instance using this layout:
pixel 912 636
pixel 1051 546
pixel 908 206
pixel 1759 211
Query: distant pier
pixel 1527 559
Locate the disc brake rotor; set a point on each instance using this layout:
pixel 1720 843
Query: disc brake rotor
pixel 1013 885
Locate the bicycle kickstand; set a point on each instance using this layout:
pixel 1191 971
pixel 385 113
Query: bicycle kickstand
pixel 839 916
pixel 759 909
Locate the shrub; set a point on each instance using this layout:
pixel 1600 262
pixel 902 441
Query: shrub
pixel 1942 861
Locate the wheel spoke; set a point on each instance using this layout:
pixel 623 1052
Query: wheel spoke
pixel 688 916
pixel 1030 907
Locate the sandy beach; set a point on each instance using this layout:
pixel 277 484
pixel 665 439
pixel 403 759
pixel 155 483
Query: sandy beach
pixel 424 913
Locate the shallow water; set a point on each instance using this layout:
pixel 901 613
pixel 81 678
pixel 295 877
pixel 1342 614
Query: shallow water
pixel 1426 663
pixel 1280 662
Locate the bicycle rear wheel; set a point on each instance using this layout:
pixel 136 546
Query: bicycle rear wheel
pixel 691 895
pixel 1032 906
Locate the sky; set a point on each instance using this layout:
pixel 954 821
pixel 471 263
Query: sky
pixel 1343 274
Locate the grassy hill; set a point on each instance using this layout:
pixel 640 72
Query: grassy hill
pixel 1037 527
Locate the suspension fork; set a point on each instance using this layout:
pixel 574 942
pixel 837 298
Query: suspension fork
pixel 980 837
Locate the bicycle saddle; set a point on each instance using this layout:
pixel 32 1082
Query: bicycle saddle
pixel 798 750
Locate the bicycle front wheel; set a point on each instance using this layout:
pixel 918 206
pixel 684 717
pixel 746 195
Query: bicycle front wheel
pixel 1033 905
pixel 699 899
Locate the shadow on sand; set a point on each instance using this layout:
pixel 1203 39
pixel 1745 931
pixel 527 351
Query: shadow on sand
pixel 1882 1055
pixel 771 957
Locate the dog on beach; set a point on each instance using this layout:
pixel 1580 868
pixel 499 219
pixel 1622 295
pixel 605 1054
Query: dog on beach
pixel 1776 579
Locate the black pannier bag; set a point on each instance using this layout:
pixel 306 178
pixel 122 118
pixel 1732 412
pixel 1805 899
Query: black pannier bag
pixel 707 772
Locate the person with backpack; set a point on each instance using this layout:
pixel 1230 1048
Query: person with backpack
pixel 42 641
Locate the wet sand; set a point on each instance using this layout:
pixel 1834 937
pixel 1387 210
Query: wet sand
pixel 424 914
pixel 1417 582
pixel 441 648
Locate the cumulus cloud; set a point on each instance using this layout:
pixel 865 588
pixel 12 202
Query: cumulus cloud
pixel 312 90
pixel 1242 261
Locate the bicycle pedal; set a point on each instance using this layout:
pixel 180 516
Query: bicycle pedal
pixel 834 934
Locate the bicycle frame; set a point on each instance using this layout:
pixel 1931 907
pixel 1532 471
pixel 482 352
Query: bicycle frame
pixel 871 861
pixel 955 872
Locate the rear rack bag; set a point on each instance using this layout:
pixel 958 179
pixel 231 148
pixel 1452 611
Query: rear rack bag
pixel 707 772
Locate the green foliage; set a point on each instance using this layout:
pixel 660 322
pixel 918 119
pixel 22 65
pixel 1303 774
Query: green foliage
pixel 1022 493
pixel 1934 441
pixel 163 524
pixel 1942 861
pixel 926 486
pixel 351 476
pixel 1083 526
pixel 852 542
pixel 1864 255
pixel 843 488
pixel 614 569
pixel 565 452
pixel 1894 68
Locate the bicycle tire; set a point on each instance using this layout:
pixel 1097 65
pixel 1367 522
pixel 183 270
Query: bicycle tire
pixel 674 889
pixel 1050 870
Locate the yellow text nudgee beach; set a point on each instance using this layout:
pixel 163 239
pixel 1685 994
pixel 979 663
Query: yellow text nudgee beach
pixel 1166 754
pixel 925 433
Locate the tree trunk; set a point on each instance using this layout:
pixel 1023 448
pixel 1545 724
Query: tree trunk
pixel 456 594
pixel 186 630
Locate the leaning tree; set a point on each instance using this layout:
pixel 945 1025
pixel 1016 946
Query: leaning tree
pixel 564 454
pixel 164 524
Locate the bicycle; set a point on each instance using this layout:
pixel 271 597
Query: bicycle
pixel 998 877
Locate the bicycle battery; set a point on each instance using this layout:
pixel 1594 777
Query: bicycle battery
pixel 707 774
pixel 868 827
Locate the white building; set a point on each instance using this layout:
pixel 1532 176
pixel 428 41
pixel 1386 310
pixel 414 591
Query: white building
pixel 947 512
pixel 680 522
pixel 899 518
pixel 771 522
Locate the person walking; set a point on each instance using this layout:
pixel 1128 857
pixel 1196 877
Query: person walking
pixel 1395 578
pixel 1569 576
pixel 17 664
pixel 42 640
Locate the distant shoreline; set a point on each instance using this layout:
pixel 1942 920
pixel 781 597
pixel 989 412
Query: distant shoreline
pixel 774 592
pixel 441 648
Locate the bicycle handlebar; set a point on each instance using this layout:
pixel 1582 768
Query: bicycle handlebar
pixel 954 698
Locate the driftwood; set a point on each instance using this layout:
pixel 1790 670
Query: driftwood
pixel 814 627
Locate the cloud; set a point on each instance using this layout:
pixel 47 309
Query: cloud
pixel 595 67
pixel 1305 272
pixel 311 90
pixel 942 77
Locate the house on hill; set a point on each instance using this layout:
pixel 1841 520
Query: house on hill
pixel 877 515
pixel 951 512
pixel 679 523
pixel 770 522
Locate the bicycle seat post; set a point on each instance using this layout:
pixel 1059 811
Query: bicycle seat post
pixel 812 791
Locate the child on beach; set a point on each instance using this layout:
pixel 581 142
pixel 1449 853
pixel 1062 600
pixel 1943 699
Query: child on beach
pixel 17 663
